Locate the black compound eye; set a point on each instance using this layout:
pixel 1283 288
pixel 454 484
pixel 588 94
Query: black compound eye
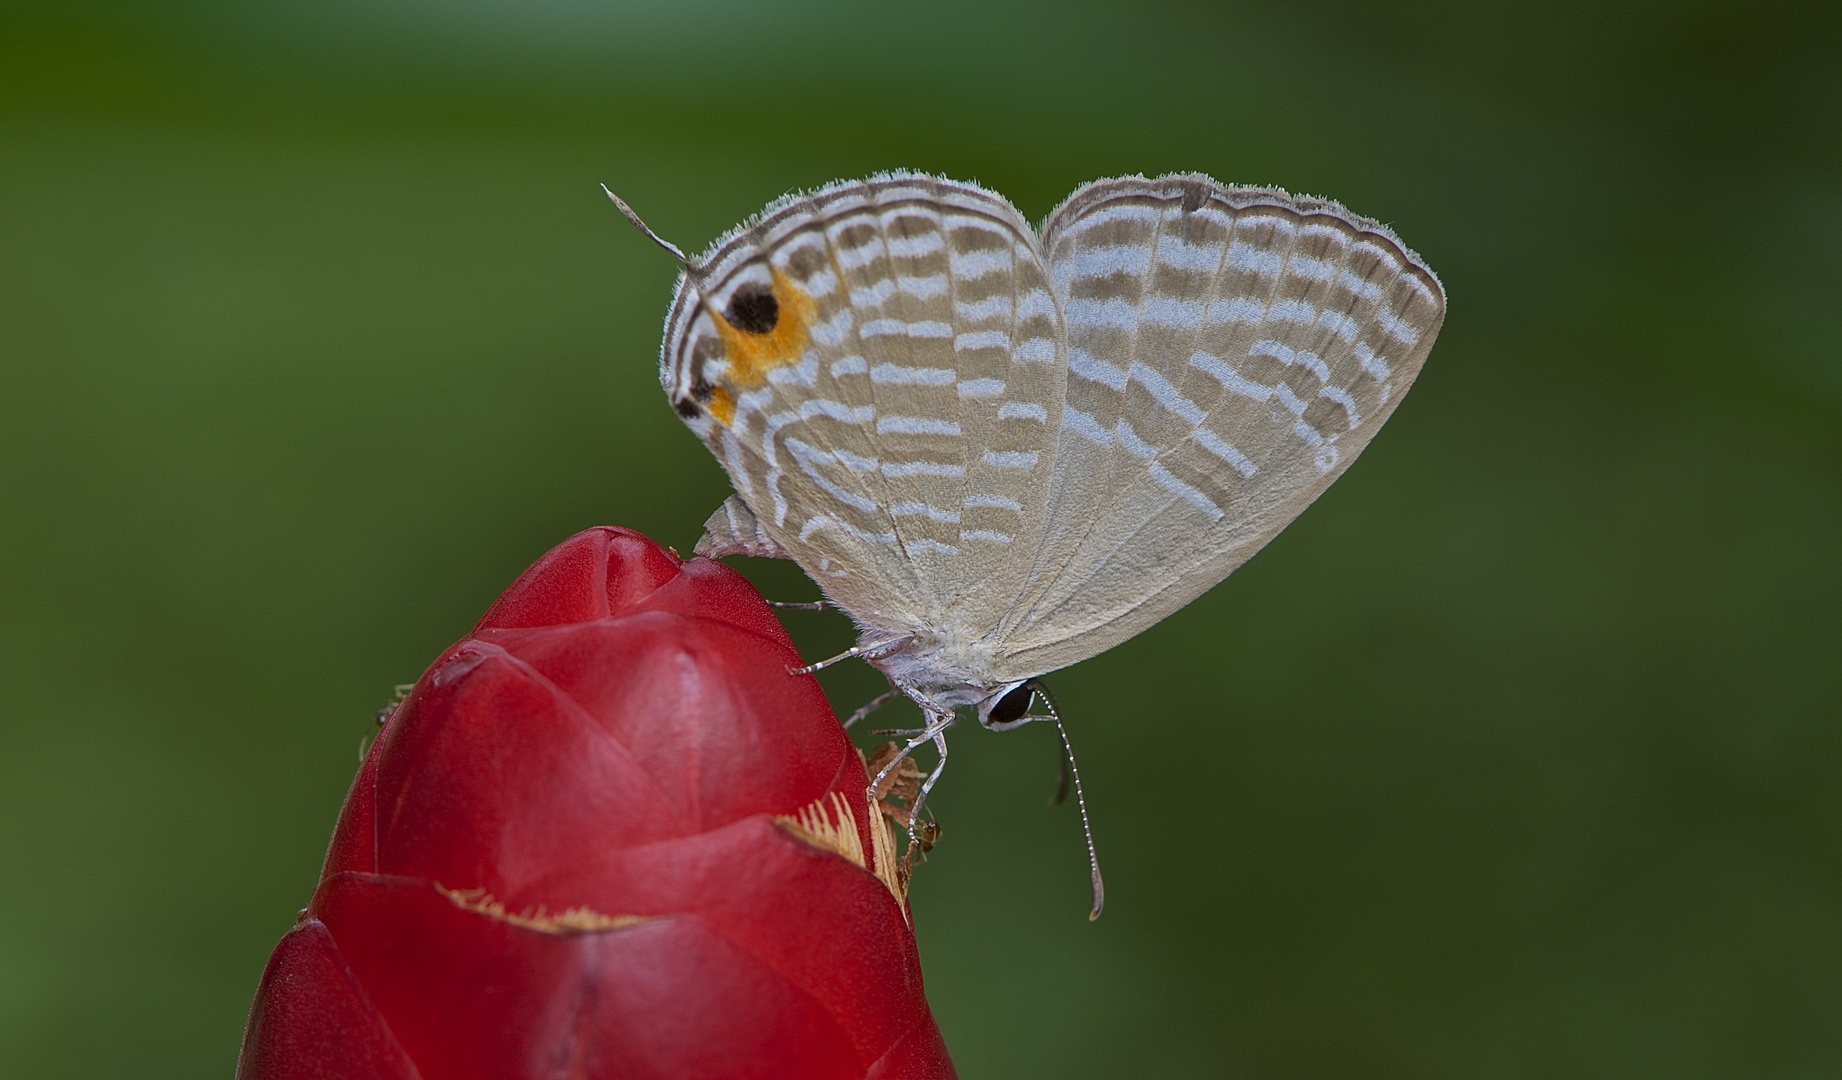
pixel 1011 707
pixel 753 309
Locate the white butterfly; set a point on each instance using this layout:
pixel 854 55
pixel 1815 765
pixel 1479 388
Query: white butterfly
pixel 1003 450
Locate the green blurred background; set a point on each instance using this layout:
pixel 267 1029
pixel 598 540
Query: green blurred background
pixel 1516 756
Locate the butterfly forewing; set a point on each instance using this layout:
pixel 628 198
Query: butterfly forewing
pixel 1230 352
pixel 891 425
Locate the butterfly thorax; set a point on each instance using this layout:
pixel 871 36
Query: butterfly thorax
pixel 947 669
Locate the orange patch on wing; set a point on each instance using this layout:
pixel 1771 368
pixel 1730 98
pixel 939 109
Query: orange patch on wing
pixel 751 356
pixel 722 406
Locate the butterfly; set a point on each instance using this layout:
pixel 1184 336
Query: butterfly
pixel 1002 450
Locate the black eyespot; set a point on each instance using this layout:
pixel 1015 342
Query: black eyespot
pixel 686 408
pixel 1011 707
pixel 753 309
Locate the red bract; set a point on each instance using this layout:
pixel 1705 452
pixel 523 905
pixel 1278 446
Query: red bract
pixel 607 835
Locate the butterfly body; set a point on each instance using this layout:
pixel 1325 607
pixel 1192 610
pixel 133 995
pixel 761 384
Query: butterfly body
pixel 1003 450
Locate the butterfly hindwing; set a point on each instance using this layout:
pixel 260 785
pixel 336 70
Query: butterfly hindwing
pixel 1230 352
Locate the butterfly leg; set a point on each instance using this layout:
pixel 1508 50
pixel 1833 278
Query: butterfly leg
pixel 874 649
pixel 875 703
pixel 935 732
pixel 926 734
pixel 800 605
pixel 940 743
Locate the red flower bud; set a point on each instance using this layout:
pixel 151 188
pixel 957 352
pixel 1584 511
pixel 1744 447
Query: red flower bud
pixel 606 835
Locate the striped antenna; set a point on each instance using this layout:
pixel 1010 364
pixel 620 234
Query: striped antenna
pixel 1087 832
pixel 670 247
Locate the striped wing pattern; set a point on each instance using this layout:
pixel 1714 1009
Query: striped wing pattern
pixel 1230 352
pixel 897 441
pixel 1043 445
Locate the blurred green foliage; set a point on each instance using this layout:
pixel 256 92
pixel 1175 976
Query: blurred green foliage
pixel 1516 756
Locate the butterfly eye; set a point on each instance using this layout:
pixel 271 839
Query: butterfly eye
pixel 753 309
pixel 1011 707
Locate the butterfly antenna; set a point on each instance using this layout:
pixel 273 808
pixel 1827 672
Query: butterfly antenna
pixel 1061 787
pixel 1093 860
pixel 670 247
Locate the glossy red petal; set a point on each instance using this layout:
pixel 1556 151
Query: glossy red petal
pixel 564 855
pixel 825 924
pixel 354 844
pixel 592 575
pixel 312 1019
pixel 471 996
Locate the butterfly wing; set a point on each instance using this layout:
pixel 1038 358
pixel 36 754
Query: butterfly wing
pixel 877 367
pixel 1230 352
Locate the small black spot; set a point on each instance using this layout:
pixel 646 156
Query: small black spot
pixel 686 408
pixel 1011 707
pixel 1195 193
pixel 753 309
pixel 700 386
